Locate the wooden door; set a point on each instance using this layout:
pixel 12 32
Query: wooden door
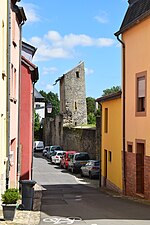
pixel 140 168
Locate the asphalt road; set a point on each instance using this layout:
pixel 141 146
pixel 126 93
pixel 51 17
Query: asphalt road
pixel 69 199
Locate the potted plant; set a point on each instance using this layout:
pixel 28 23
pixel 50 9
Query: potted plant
pixel 9 202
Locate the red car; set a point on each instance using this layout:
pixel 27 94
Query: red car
pixel 66 158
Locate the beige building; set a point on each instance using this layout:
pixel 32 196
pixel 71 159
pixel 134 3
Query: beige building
pixel 134 35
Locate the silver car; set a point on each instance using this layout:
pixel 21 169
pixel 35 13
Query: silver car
pixel 91 169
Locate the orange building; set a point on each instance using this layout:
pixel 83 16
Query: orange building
pixel 134 35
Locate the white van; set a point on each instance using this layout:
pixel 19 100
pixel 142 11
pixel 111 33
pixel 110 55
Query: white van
pixel 38 146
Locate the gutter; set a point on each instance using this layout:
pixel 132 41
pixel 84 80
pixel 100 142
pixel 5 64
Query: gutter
pixel 8 89
pixel 18 146
pixel 123 114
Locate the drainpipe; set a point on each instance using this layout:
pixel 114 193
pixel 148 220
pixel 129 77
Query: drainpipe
pixel 100 153
pixel 8 88
pixel 32 130
pixel 18 147
pixel 123 114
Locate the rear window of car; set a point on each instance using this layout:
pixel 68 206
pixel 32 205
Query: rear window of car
pixel 82 157
pixel 56 148
pixel 59 153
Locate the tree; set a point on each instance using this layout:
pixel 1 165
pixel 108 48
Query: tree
pixel 111 90
pixel 91 110
pixel 53 99
pixel 90 102
pixel 37 126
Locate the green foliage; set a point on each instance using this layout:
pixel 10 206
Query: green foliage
pixel 90 102
pixel 53 99
pixel 91 110
pixel 91 118
pixel 36 126
pixel 111 90
pixel 11 196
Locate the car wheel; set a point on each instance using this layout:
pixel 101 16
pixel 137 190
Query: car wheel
pixel 90 175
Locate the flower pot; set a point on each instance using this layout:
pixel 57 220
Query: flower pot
pixel 9 211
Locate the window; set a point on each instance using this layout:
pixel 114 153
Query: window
pixel 75 106
pixel 141 94
pixel 106 120
pixel 129 147
pixel 109 156
pixel 77 74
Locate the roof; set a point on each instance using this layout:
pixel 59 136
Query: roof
pixel 109 97
pixel 38 96
pixel 28 48
pixel 59 78
pixel 33 68
pixel 20 14
pixel 137 11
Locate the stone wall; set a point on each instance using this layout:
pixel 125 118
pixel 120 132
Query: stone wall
pixel 80 139
pixel 53 131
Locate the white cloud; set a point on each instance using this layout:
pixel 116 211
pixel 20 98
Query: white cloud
pixel 53 45
pixel 49 70
pixel 49 87
pixel 102 17
pixel 31 12
pixel 89 71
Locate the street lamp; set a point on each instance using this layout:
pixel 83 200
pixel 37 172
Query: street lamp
pixel 49 108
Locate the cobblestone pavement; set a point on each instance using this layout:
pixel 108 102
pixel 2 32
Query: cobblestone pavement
pixel 22 217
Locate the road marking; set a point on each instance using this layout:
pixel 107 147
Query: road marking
pixel 56 220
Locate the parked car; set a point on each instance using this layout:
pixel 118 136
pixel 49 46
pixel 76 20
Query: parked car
pixel 38 146
pixel 91 169
pixel 56 157
pixel 45 150
pixel 66 158
pixel 77 161
pixel 52 149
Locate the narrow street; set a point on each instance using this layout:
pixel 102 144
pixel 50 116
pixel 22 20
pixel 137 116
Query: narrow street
pixel 68 199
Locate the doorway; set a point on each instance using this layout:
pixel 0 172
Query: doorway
pixel 105 167
pixel 140 168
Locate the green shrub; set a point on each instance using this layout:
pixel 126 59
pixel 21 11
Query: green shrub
pixel 11 196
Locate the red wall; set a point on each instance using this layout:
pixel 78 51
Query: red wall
pixel 26 123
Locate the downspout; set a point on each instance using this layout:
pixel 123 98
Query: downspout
pixel 100 153
pixel 18 147
pixel 8 88
pixel 32 130
pixel 123 114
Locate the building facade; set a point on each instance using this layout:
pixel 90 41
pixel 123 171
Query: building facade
pixel 134 35
pixel 3 92
pixel 29 76
pixel 16 17
pixel 111 141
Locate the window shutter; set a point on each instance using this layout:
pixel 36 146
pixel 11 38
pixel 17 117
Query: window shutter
pixel 141 87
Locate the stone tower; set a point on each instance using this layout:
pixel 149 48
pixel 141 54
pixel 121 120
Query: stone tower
pixel 73 96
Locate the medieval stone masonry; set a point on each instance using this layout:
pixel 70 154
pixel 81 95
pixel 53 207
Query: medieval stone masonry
pixel 73 96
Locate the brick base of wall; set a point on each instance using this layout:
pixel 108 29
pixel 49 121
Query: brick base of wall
pixel 130 170
pixel 108 184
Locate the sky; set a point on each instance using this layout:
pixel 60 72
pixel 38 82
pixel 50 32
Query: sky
pixel 66 32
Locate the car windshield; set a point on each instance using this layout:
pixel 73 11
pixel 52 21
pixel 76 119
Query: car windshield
pixel 82 157
pixel 56 148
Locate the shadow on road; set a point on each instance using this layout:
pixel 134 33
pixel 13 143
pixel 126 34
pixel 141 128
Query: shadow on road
pixel 89 203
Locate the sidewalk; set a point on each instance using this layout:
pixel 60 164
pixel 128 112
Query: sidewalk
pixel 24 217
